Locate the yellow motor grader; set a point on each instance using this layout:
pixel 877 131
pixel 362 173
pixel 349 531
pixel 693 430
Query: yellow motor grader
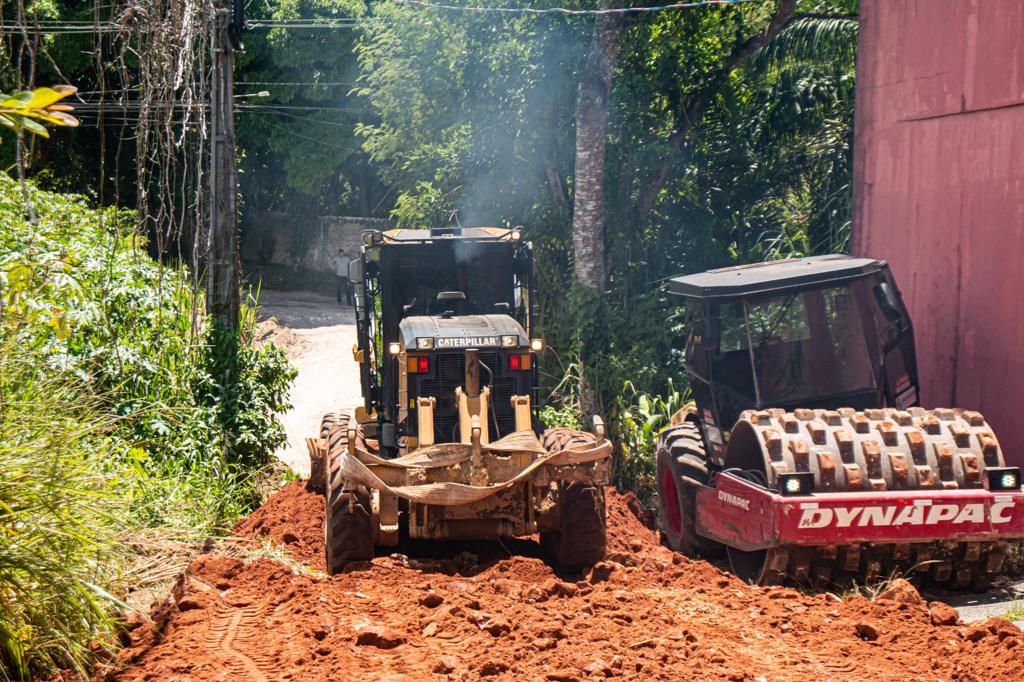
pixel 447 444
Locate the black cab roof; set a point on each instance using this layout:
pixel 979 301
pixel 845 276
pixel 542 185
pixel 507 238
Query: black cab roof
pixel 441 234
pixel 757 278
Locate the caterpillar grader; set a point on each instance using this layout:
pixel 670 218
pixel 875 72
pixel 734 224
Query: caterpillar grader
pixel 805 456
pixel 447 444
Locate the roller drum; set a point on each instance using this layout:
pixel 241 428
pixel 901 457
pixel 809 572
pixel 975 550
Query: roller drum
pixel 883 449
pixel 873 450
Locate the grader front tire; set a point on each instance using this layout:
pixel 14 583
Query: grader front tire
pixel 581 538
pixel 348 525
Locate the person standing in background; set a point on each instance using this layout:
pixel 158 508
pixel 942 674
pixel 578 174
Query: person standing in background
pixel 344 287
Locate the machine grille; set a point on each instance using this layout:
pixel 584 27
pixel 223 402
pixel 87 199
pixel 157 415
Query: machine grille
pixel 450 373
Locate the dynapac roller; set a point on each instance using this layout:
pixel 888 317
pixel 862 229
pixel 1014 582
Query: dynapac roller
pixel 805 455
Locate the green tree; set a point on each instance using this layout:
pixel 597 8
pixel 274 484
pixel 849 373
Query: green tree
pixel 726 139
pixel 296 117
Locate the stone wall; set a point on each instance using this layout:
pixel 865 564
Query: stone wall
pixel 310 249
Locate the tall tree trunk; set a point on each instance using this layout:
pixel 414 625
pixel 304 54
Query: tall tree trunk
pixel 588 220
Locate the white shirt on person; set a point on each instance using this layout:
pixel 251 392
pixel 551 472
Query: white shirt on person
pixel 340 265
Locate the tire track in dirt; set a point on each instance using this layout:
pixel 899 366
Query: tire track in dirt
pixel 230 632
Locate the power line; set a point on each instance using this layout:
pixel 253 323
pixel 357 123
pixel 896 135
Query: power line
pixel 303 24
pixel 293 83
pixel 135 106
pixel 81 27
pixel 566 10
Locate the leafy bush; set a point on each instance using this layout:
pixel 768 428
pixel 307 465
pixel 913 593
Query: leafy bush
pixel 638 419
pixel 559 417
pixel 117 410
pixel 197 408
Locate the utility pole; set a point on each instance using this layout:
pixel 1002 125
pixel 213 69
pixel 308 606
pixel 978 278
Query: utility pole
pixel 223 267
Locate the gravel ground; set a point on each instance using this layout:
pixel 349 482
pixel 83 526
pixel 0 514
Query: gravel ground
pixel 996 602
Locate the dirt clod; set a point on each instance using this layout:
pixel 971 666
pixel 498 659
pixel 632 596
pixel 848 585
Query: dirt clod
pixel 867 631
pixel 445 665
pixel 431 600
pixel 942 614
pixel 601 572
pixel 491 668
pixel 655 615
pixel 901 591
pixel 997 628
pixel 380 637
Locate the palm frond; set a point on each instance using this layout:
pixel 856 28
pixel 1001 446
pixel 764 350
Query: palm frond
pixel 811 39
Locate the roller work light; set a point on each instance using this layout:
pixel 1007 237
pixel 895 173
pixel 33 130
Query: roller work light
pixel 801 483
pixel 1003 478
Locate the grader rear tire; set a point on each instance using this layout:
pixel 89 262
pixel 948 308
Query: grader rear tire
pixel 581 539
pixel 348 529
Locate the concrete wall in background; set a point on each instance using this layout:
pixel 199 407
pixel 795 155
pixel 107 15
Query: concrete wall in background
pixel 270 244
pixel 939 191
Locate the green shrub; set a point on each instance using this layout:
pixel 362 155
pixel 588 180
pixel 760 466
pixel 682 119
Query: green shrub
pixel 198 409
pixel 638 418
pixel 559 417
pixel 118 409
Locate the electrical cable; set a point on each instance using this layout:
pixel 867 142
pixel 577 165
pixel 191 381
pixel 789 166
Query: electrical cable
pixel 571 12
pixel 490 384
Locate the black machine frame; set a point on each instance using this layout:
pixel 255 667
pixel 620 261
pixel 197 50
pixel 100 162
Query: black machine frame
pixel 378 314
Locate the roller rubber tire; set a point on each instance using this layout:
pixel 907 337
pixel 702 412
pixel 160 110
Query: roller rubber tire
pixel 681 453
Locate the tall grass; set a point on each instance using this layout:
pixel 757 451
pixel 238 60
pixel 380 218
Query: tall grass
pixel 58 522
pixel 119 411
pixel 637 419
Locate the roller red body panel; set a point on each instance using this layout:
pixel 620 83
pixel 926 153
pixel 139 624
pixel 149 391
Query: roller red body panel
pixel 747 516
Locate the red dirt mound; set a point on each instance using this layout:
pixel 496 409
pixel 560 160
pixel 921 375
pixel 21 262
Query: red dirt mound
pixel 646 613
pixel 294 519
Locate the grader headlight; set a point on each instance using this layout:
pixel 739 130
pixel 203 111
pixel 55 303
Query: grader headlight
pixel 537 345
pixel 509 341
pixel 424 342
pixel 394 348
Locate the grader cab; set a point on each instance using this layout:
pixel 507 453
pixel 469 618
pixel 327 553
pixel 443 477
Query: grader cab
pixel 447 444
pixel 805 456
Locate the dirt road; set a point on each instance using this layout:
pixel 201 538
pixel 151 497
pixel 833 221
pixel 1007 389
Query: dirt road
pixel 499 612
pixel 317 334
pixel 263 609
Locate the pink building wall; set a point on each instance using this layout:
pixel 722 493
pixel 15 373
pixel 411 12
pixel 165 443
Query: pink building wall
pixel 939 191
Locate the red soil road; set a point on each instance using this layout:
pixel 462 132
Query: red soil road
pixel 646 613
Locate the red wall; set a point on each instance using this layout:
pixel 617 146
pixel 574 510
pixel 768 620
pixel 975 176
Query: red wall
pixel 939 191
